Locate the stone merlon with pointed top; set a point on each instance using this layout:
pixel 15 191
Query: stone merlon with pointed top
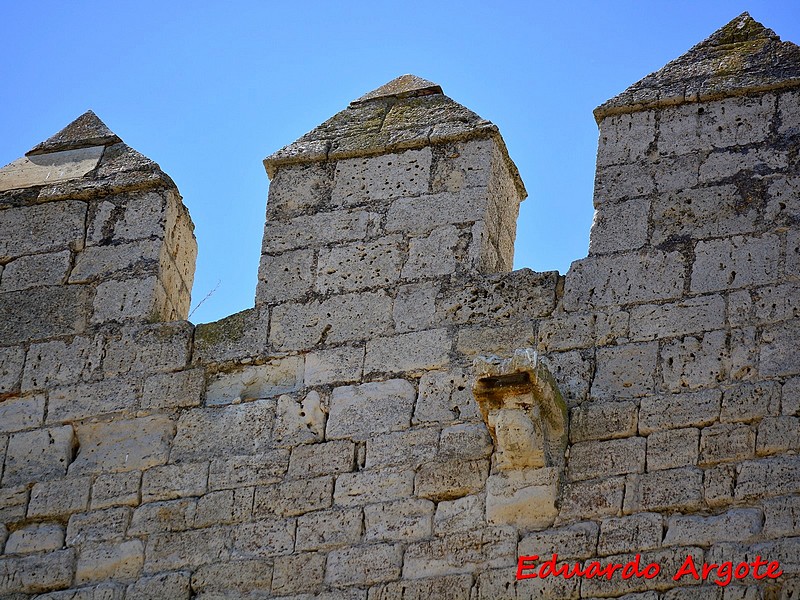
pixel 109 237
pixel 404 185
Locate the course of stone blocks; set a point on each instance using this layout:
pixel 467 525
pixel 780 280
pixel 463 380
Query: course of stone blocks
pixel 400 415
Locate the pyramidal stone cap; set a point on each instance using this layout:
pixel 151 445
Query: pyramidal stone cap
pixel 740 58
pixel 405 113
pixel 86 155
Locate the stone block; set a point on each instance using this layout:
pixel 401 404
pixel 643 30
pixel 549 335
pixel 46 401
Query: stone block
pixel 129 299
pixel 498 340
pixel 706 212
pixel 129 445
pixel 285 276
pixel 589 460
pixel 299 189
pixel 150 348
pixel 724 164
pixel 56 363
pixel 13 503
pixel 466 441
pixel 328 458
pixel 625 371
pixel 625 138
pixel 525 499
pixel 736 525
pixel 236 471
pixel 263 539
pixel 299 573
pixel 35 271
pixel 725 443
pixel 299 421
pixel 174 481
pixel 403 520
pixel 573 372
pixel 603 420
pixel 736 121
pixel 433 255
pixel 362 180
pixel 624 279
pixel 782 516
pixel 735 262
pixel 592 499
pixel 224 507
pixel 619 226
pixel 230 430
pixel 11 361
pixel 767 477
pixel 319 229
pixel 444 397
pixel 40 537
pixel 693 315
pixel 750 401
pixel 415 306
pixel 643 532
pixel 187 549
pixel 415 351
pixel 99 263
pixel 576 541
pixel 275 377
pixel 407 448
pixel 337 365
pixel 166 585
pixel 449 587
pixel 241 335
pixel 75 402
pixel 338 319
pixel 695 362
pixel 126 217
pixel 240 576
pixel 21 413
pixel 98 526
pixel 31 315
pixel 38 455
pixel 364 565
pixel 47 227
pixel 360 265
pixel 367 487
pixel 427 212
pixel 672 448
pixel 361 411
pixel 465 552
pixel 461 514
pixel 158 517
pixel 326 529
pixel 37 573
pixel 182 389
pixel 119 561
pixel 673 489
pixel 116 489
pixel 674 411
pixel 450 479
pixel 778 434
pixel 776 350
pixel 773 304
pixel 59 498
pixel 718 484
pixel 292 498
pixel 566 332
pixel 790 398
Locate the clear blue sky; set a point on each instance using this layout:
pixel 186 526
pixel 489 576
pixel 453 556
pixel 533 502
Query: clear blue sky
pixel 208 89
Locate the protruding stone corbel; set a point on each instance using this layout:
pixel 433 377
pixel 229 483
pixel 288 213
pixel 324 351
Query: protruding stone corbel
pixel 527 419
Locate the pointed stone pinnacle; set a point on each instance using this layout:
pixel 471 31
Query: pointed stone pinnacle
pixel 405 86
pixel 85 131
pixel 740 58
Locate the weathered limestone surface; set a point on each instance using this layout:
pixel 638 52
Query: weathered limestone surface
pixel 399 415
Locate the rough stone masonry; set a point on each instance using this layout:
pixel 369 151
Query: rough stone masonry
pixel 400 415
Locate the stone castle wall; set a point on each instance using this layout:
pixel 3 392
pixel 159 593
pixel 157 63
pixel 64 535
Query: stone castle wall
pixel 400 415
